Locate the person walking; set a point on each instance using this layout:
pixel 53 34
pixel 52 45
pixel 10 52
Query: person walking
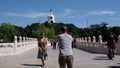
pixel 65 49
pixel 42 48
pixel 111 43
pixel 54 44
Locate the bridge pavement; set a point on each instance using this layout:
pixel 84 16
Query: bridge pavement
pixel 82 59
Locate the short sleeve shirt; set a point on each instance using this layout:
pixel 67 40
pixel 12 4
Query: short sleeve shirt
pixel 65 44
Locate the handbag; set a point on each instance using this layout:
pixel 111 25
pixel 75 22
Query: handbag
pixel 39 56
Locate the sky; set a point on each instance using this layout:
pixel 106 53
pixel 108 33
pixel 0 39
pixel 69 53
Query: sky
pixel 81 13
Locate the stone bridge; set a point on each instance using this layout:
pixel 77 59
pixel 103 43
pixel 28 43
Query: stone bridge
pixel 18 46
pixel 24 55
pixel 82 59
pixel 99 47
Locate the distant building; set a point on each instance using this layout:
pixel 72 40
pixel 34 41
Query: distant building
pixel 51 17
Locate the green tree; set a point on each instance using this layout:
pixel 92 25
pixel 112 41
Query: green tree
pixel 116 30
pixel 7 32
pixel 104 31
pixel 36 28
pixel 20 31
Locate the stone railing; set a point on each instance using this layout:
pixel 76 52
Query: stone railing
pixel 87 44
pixel 18 46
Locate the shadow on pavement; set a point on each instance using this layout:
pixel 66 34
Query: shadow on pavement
pixel 114 66
pixel 31 65
pixel 101 58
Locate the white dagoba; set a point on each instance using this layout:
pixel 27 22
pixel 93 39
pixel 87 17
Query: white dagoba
pixel 51 17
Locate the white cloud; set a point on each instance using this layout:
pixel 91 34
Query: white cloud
pixel 29 15
pixel 67 13
pixel 101 12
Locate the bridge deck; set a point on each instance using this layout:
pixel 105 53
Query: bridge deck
pixel 82 59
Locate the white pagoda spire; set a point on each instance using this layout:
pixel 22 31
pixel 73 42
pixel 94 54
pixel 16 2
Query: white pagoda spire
pixel 51 13
pixel 51 18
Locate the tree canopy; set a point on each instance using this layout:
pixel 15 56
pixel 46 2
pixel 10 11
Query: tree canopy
pixel 7 30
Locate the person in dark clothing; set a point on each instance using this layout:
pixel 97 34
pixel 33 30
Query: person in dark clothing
pixel 54 44
pixel 74 43
pixel 111 43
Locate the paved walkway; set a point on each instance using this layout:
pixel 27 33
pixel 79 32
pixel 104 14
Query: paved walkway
pixel 82 59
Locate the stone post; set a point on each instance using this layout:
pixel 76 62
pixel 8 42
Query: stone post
pixel 85 39
pixel 94 39
pixel 20 39
pixel 29 39
pixel 79 42
pixel 89 39
pixel 82 39
pixel 100 39
pixel 15 43
pixel 24 40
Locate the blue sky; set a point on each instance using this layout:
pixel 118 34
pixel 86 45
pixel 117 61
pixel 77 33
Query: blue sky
pixel 78 12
